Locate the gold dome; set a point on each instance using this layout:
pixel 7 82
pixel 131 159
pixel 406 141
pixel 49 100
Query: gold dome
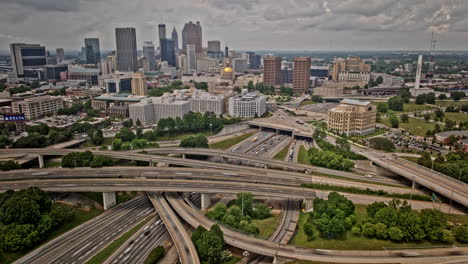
pixel 227 69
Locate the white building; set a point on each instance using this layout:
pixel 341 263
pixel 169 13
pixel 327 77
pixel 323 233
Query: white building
pixel 167 106
pixel 191 58
pixel 143 111
pixel 249 105
pixel 205 102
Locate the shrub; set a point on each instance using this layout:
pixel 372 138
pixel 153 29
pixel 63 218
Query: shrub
pixel 461 234
pixel 395 234
pixel 368 230
pixel 155 255
pixel 356 231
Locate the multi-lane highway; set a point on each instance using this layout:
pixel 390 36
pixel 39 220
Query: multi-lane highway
pixel 183 242
pixel 269 248
pixel 82 242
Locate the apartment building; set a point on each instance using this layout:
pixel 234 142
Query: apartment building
pixel 35 107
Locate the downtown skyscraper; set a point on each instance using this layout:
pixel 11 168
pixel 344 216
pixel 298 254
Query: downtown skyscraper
pixel 126 49
pixel 149 54
pixel 192 35
pixel 92 50
pixel 161 33
pixel 168 51
pixel 175 38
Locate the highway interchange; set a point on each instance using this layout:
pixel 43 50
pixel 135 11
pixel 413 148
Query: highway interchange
pixel 212 178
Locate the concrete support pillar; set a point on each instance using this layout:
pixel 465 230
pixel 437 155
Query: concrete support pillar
pixel 308 205
pixel 277 131
pixel 151 163
pixel 183 156
pixel 414 185
pixel 205 201
pixel 108 200
pixel 41 161
pixel 224 160
pixel 275 261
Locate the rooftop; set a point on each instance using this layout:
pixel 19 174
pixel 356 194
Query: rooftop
pixel 455 133
pixel 355 102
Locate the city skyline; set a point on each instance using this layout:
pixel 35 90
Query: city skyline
pixel 244 25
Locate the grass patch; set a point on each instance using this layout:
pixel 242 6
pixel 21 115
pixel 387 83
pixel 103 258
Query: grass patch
pixel 356 180
pixel 234 259
pixel 182 136
pixel 225 144
pixel 458 117
pixel 123 197
pixel 307 102
pixel 303 156
pixel 412 159
pixel 53 164
pixel 415 126
pixel 282 154
pixel 351 242
pixel 267 226
pixel 95 196
pixel 80 216
pixel 112 247
pixel 413 107
pixel 327 187
pixel 376 133
pixel 106 142
pixel 451 103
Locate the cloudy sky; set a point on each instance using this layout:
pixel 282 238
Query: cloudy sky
pixel 243 24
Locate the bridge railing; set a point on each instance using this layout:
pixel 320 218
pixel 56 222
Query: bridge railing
pixel 435 172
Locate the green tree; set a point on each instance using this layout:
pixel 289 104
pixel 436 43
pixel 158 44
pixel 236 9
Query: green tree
pixel 381 231
pixel 368 230
pixel 461 234
pixel 395 234
pixel 198 141
pixel 425 160
pixel 420 99
pixel 125 134
pixel 404 118
pixel 395 103
pixel 218 212
pixel 309 231
pixel 155 255
pixel 374 207
pixel 382 107
pixel 432 222
pixel 381 143
pixel 245 201
pixel 442 97
pixel 394 121
pixel 262 211
pixel 317 98
pixel 117 144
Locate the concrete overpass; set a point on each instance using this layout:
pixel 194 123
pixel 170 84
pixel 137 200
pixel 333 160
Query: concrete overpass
pixel 279 128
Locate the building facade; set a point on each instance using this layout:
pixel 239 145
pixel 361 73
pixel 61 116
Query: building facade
pixel 53 71
pixel 272 71
pixel 120 84
pixel 143 111
pixel 351 69
pixel 26 59
pixel 93 51
pixel 139 85
pixel 301 75
pixel 168 51
pixel 175 38
pixel 150 55
pixel 214 46
pixel 165 107
pixel 36 107
pixel 191 58
pixel 352 117
pixel 249 105
pixel 161 33
pixel 239 65
pixel 205 102
pixel 60 53
pixel 192 35
pixel 126 49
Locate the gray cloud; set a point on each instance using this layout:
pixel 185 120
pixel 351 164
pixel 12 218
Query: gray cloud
pixel 244 24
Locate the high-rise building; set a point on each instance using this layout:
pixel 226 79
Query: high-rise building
pixel 126 49
pixel 226 51
pixel 53 71
pixel 60 53
pixel 192 35
pixel 93 52
pixel 26 59
pixel 351 69
pixel 168 51
pixel 301 74
pixel 161 33
pixel 139 85
pixel 239 65
pixel 214 46
pixel 272 71
pixel 352 117
pixel 175 38
pixel 249 105
pixel 191 58
pixel 255 61
pixel 149 54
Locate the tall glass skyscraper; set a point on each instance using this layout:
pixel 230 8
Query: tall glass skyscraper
pixel 126 49
pixel 148 53
pixel 92 49
pixel 168 51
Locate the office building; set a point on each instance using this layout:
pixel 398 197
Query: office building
pixel 255 61
pixel 126 49
pixel 149 55
pixel 214 45
pixel 51 61
pixel 167 106
pixel 139 85
pixel 143 111
pixel 272 71
pixel 319 71
pixel 207 65
pixel 52 72
pixel 36 107
pixel 168 51
pixel 239 65
pixel 301 75
pixel 60 54
pixel 352 117
pixel 161 33
pixel 175 38
pixel 287 76
pixel 93 51
pixel 26 59
pixel 205 102
pixel 90 76
pixel 192 35
pixel 191 58
pixel 351 69
pixel 249 105
pixel 118 84
pixel 83 54
pixel 408 67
